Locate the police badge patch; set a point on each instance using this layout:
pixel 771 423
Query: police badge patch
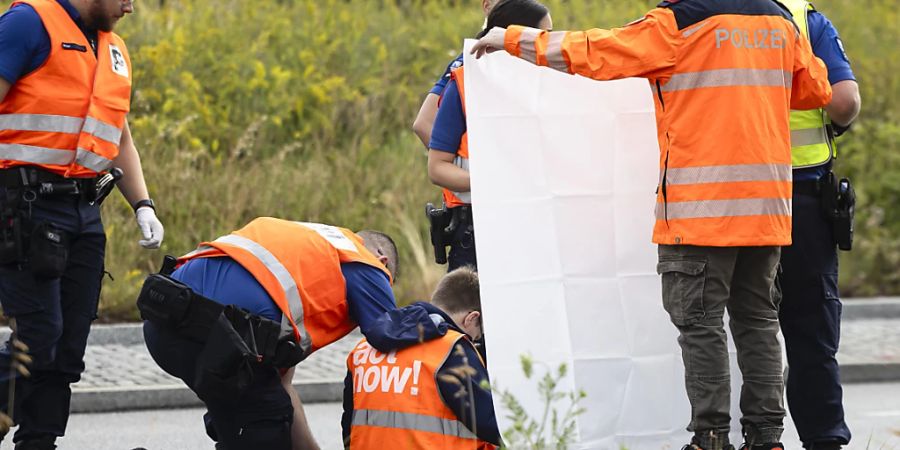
pixel 117 59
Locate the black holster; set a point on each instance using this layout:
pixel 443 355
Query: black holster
pixel 171 304
pixel 839 205
pixel 443 223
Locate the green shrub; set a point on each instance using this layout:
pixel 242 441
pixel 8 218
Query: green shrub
pixel 302 109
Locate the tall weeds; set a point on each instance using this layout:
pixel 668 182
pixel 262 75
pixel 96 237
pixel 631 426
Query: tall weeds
pixel 302 108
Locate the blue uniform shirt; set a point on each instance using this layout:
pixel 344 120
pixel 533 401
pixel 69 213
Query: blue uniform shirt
pixel 222 279
pixel 827 45
pixel 441 83
pixel 450 122
pixel 24 42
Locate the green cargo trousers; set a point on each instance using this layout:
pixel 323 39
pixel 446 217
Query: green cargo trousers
pixel 698 284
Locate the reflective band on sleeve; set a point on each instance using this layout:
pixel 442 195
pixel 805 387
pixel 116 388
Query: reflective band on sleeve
pixel 729 77
pixel 724 208
pixel 809 136
pixel 102 130
pixel 526 44
pixel 728 174
pixel 555 59
pixel 288 285
pixel 410 421
pixel 36 155
pixel 41 122
pixel 690 31
pixel 92 160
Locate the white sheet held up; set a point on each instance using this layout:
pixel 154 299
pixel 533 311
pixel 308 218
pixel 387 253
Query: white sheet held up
pixel 563 177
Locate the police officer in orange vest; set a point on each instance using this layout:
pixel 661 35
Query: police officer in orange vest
pixel 65 91
pixel 241 311
pixel 448 154
pixel 426 394
pixel 724 75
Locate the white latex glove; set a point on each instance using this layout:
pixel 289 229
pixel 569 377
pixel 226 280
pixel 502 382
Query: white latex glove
pixel 151 227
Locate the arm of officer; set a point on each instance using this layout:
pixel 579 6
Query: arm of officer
pixel 301 435
pixel 644 48
pixel 134 188
pixel 369 296
pixel 845 102
pixel 449 127
pixel 425 118
pixel 465 372
pixel 809 85
pixel 4 88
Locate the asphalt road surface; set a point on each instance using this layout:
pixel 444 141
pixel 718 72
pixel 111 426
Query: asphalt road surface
pixel 873 412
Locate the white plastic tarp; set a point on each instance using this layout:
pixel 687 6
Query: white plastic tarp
pixel 563 176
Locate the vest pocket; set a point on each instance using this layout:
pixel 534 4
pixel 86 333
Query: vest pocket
pixel 683 282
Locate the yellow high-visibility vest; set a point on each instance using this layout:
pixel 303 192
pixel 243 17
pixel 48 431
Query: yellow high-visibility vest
pixel 811 142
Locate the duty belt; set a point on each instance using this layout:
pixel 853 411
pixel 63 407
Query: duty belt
pixel 44 182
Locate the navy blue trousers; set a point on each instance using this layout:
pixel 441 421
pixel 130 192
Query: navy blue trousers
pixel 811 323
pixel 462 249
pixel 258 418
pixel 54 316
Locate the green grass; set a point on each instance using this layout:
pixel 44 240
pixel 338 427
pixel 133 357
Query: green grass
pixel 301 109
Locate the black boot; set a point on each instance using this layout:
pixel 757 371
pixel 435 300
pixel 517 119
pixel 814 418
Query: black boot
pixel 43 443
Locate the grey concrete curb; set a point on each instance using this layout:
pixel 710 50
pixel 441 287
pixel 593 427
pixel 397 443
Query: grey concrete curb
pixel 118 399
pixel 870 373
pixel 871 308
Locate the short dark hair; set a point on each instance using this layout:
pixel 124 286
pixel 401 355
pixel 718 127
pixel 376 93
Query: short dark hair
pixel 458 291
pixel 381 241
pixel 527 13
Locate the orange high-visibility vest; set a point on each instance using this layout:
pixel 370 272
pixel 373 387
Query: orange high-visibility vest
pixel 68 115
pixel 299 266
pixel 396 401
pixel 451 198
pixel 725 75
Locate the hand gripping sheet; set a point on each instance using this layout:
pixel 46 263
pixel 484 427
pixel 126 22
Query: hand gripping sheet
pixel 563 177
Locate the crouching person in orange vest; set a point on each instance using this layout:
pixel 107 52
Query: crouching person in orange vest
pixel 429 394
pixel 238 313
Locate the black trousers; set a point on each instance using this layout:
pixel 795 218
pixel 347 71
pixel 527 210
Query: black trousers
pixel 811 324
pixel 53 315
pixel 258 418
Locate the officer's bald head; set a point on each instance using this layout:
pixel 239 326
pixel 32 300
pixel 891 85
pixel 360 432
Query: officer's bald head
pixel 383 247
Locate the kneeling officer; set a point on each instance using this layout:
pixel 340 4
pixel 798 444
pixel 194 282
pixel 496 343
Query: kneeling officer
pixel 239 312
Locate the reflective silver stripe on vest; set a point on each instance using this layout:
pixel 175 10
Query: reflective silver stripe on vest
pixel 200 249
pixel 808 136
pixel 724 208
pixel 729 77
pixel 555 58
pixel 41 122
pixel 102 130
pixel 92 160
pixel 462 163
pixel 36 155
pixel 728 174
pixel 284 279
pixel 526 44
pixel 410 421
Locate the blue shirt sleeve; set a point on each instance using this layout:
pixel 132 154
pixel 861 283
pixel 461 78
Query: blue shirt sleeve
pixel 450 123
pixel 441 83
pixel 24 42
pixel 485 420
pixel 369 294
pixel 827 45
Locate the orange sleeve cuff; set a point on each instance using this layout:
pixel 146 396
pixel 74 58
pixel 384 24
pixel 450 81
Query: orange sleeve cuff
pixel 511 39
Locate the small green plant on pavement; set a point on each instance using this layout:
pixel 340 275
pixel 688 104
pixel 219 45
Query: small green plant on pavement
pixel 554 427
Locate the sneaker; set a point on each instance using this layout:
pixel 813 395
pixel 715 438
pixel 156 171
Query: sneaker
pixel 830 445
pixel 770 446
pixel 44 443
